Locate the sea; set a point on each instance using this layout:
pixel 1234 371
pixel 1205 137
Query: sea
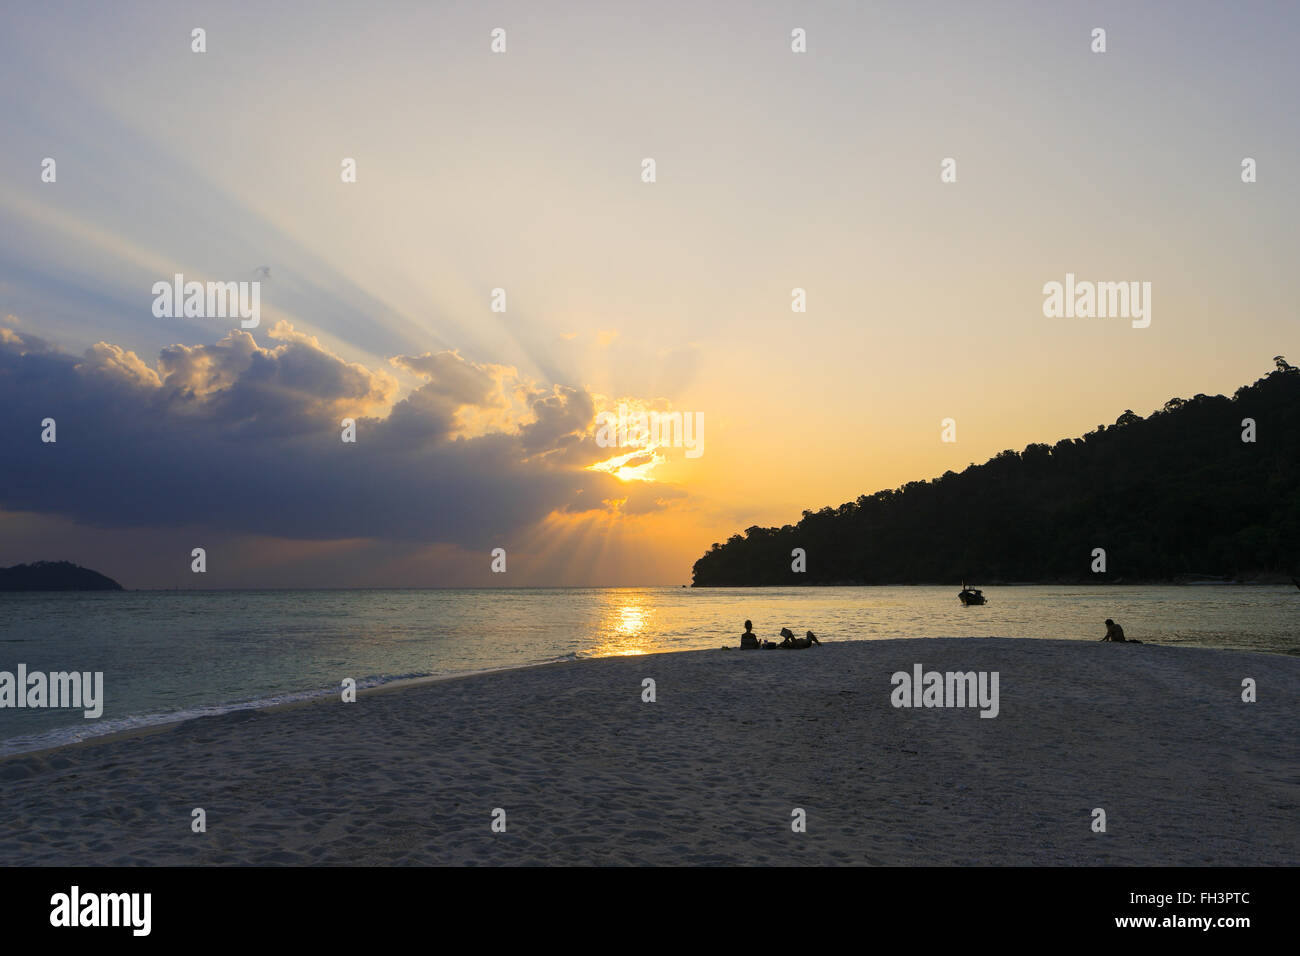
pixel 174 655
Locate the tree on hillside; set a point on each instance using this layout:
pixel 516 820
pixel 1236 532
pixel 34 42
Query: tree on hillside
pixel 1175 493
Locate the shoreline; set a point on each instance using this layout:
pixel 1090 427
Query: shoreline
pixel 167 723
pixel 588 772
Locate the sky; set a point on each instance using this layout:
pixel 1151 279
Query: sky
pixel 523 171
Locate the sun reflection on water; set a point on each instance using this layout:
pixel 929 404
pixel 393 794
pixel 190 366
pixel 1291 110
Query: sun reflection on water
pixel 625 629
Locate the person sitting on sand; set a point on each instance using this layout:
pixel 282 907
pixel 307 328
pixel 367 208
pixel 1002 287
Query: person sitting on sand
pixel 1115 633
pixel 749 640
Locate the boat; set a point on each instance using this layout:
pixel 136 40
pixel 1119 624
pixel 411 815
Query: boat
pixel 969 596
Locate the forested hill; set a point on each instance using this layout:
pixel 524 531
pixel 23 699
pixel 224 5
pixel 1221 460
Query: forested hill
pixel 54 576
pixel 1176 494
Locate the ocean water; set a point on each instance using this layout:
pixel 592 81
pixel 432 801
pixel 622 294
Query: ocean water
pixel 167 655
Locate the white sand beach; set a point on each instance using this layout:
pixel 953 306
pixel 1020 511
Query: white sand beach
pixel 709 773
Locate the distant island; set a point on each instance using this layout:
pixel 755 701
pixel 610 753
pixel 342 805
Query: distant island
pixel 1182 494
pixel 54 576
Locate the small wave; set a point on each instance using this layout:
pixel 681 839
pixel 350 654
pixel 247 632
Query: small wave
pixel 62 736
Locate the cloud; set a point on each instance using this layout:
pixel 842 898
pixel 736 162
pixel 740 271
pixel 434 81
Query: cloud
pixel 638 460
pixel 242 437
pixel 294 387
pixel 563 415
pixel 460 397
pixel 117 364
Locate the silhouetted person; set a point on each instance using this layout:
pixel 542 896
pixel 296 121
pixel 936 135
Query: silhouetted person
pixel 749 640
pixel 1116 633
pixel 797 643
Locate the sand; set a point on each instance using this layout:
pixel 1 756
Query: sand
pixel 709 773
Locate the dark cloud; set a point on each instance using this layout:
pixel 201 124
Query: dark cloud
pixel 246 438
pixel 291 388
pixel 453 385
pixel 563 415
